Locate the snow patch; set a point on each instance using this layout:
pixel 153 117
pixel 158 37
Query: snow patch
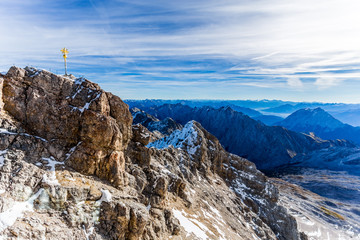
pixel 9 217
pixel 2 158
pixel 185 138
pixel 314 234
pixel 2 191
pixel 37 137
pixel 5 131
pixel 87 105
pixel 88 233
pixel 191 225
pixel 105 197
pixel 52 163
pixel 72 150
pixel 51 180
pixel 216 223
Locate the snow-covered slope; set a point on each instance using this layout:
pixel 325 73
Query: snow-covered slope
pixel 321 123
pixel 185 138
pixel 328 215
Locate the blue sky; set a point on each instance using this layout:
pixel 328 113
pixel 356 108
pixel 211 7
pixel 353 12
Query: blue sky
pixel 232 49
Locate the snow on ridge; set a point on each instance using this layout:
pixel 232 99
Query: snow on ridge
pixel 191 225
pixel 186 137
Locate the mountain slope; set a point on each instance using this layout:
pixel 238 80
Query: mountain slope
pixel 320 217
pixel 268 147
pixel 72 166
pixel 207 154
pixel 268 119
pixel 165 126
pixel 321 123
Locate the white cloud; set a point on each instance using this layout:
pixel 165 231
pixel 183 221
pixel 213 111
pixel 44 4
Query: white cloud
pixel 295 83
pixel 323 82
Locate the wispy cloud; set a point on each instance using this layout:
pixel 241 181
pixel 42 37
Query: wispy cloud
pixel 324 83
pixel 302 46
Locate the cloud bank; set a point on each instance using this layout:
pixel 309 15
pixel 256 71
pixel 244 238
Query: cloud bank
pixel 294 50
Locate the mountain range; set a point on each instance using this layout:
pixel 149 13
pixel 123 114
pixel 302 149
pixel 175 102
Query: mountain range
pixel 267 146
pixel 347 113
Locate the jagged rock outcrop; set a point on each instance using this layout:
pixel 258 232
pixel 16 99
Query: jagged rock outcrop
pixel 75 114
pixel 257 197
pixel 73 167
pixel 268 147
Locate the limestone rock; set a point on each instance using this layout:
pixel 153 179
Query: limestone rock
pixel 78 115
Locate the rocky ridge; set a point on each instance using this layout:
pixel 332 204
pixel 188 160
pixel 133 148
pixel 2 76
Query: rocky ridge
pixel 72 166
pixel 164 127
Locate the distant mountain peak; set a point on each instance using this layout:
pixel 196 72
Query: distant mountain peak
pixel 321 123
pixel 316 117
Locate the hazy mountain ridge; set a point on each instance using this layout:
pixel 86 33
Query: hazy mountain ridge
pixel 347 113
pixel 321 123
pixel 267 146
pixel 148 104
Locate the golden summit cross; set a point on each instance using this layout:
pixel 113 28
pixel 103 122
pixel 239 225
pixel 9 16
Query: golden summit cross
pixel 65 53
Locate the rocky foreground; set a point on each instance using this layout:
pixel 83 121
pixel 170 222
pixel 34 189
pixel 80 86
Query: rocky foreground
pixel 72 166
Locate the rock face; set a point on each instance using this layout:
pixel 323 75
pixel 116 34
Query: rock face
pixel 257 197
pixel 78 115
pixel 73 167
pixel 268 147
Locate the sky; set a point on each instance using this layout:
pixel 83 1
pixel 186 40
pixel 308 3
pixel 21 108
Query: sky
pixel 301 50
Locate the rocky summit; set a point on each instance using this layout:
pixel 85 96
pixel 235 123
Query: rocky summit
pixel 72 166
